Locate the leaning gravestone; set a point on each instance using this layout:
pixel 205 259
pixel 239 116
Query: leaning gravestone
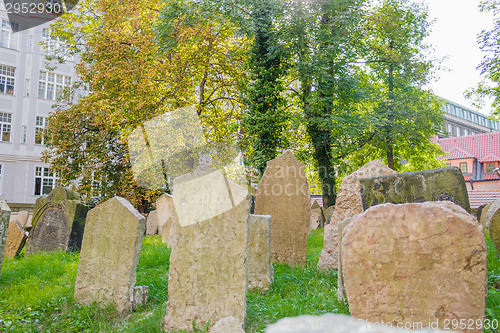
pixel 22 217
pixel 165 210
pixel 152 223
pixel 4 226
pixel 207 279
pixel 259 266
pixel 58 222
pixel 283 193
pixel 419 186
pixel 16 238
pixel 417 262
pixel 347 205
pixel 110 252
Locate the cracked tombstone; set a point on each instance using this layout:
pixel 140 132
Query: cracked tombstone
pixel 283 193
pixel 347 205
pixel 4 226
pixel 207 279
pixel 110 253
pixel 58 222
pixel 259 266
pixel 416 262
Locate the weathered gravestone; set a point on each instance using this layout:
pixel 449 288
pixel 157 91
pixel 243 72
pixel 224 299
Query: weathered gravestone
pixel 484 214
pixel 417 262
pixel 328 214
pixel 347 205
pixel 316 219
pixel 110 252
pixel 4 226
pixel 152 223
pixel 165 210
pixel 16 238
pixel 492 221
pixel 337 323
pixel 207 277
pixel 22 217
pixel 58 222
pixel 283 193
pixel 419 186
pixel 259 266
pixel 227 325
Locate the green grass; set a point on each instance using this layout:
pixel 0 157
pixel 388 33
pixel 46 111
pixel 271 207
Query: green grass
pixel 36 293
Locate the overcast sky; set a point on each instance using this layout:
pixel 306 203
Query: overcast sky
pixel 457 24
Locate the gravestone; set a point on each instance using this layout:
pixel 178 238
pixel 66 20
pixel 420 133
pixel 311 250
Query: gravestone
pixel 165 210
pixel 492 221
pixel 227 325
pixel 316 219
pixel 484 213
pixel 16 238
pixel 328 214
pixel 22 217
pixel 58 222
pixel 417 262
pixel 110 252
pixel 283 193
pixel 259 266
pixel 4 226
pixel 338 323
pixel 152 223
pixel 347 205
pixel 419 186
pixel 207 277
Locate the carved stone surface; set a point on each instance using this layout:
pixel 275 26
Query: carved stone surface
pixel 22 217
pixel 259 266
pixel 317 219
pixel 16 238
pixel 484 213
pixel 4 226
pixel 328 214
pixel 444 184
pixel 165 210
pixel 283 193
pixel 492 221
pixel 58 222
pixel 207 277
pixel 348 204
pixel 227 325
pixel 110 252
pixel 152 223
pixel 416 262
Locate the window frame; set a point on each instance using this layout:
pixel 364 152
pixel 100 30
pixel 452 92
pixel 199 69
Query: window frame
pixel 39 129
pixel 7 79
pixel 487 165
pixel 5 126
pixel 9 30
pixel 43 174
pixel 461 165
pixel 50 84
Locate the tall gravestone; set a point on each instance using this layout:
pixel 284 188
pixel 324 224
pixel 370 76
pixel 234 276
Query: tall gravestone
pixel 165 210
pixel 446 184
pixel 347 205
pixel 283 193
pixel 417 262
pixel 259 266
pixel 110 253
pixel 492 223
pixel 207 278
pixel 4 227
pixel 317 218
pixel 152 223
pixel 58 222
pixel 16 239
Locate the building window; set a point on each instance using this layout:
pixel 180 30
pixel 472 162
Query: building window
pixel 40 125
pixel 9 36
pixel 458 131
pixel 463 167
pixel 45 180
pixel 24 136
pixel 5 126
pixel 50 85
pixel 466 132
pixel 31 42
pixel 490 167
pixel 450 129
pixel 7 79
pixel 27 87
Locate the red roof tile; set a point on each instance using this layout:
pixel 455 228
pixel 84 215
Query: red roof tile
pixel 479 146
pixel 467 177
pixel 489 158
pixel 478 198
pixel 490 176
pixel 456 153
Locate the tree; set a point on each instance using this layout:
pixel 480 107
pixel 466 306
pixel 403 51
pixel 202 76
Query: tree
pixel 405 115
pixel 129 79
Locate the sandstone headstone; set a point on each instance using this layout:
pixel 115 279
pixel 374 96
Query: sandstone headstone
pixel 340 276
pixel 4 226
pixel 419 186
pixel 283 193
pixel 207 278
pixel 227 325
pixel 16 238
pixel 58 222
pixel 347 205
pixel 484 213
pixel 22 217
pixel 317 219
pixel 416 262
pixel 152 223
pixel 110 252
pixel 165 210
pixel 259 266
pixel 493 223
pixel 328 214
pixel 337 323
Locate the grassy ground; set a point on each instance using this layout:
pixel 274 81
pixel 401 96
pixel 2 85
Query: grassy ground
pixel 36 293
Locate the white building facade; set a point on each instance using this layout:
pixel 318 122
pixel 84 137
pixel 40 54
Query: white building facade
pixel 27 92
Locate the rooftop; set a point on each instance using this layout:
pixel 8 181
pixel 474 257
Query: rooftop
pixel 485 147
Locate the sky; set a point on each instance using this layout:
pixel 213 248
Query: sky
pixel 456 26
